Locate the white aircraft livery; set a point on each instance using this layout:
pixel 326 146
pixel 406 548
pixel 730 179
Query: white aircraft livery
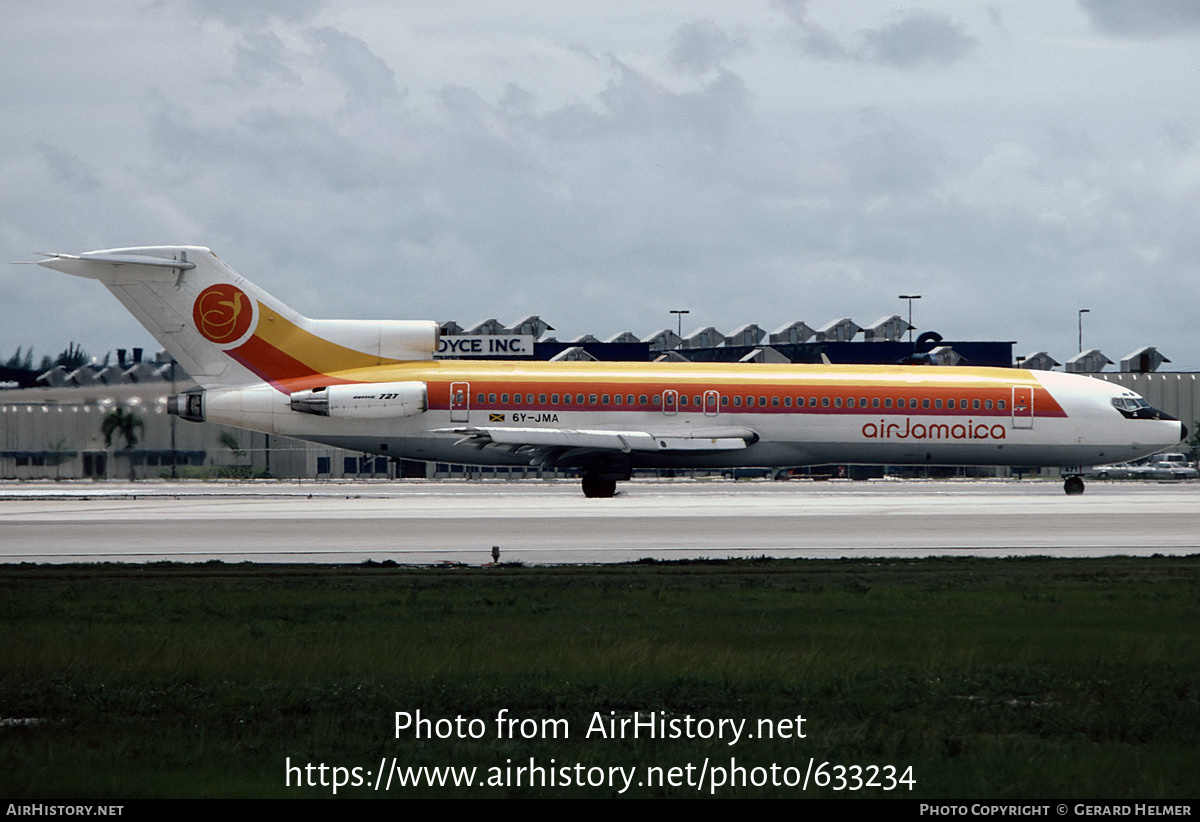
pixel 375 387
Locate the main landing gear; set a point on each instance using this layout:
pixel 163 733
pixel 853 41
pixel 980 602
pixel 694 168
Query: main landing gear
pixel 599 485
pixel 1073 485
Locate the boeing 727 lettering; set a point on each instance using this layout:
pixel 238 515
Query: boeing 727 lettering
pixel 375 387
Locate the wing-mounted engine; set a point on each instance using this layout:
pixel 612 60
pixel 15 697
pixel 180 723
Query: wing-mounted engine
pixel 365 401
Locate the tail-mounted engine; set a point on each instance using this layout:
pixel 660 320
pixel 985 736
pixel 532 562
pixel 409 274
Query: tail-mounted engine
pixel 365 401
pixel 188 406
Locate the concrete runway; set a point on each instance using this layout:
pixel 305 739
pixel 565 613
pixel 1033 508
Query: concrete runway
pixel 551 522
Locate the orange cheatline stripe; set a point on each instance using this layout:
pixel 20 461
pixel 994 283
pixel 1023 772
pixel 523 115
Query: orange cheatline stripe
pixel 1044 404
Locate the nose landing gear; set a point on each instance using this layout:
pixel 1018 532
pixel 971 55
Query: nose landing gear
pixel 1073 485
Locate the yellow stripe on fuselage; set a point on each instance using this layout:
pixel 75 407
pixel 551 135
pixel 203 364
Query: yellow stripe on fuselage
pixel 698 374
pixel 321 355
pixel 759 380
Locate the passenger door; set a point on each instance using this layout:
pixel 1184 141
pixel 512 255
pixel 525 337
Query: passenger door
pixel 460 402
pixel 1022 406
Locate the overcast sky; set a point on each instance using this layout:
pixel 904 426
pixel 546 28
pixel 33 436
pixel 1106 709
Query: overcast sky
pixel 600 164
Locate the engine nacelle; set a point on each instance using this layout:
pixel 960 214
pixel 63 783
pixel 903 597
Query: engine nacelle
pixel 188 406
pixel 365 401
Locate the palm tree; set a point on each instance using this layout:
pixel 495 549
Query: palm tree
pixel 125 423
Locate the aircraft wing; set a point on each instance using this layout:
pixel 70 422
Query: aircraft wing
pixel 535 440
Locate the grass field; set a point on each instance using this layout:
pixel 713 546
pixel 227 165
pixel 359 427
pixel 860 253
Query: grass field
pixel 1019 678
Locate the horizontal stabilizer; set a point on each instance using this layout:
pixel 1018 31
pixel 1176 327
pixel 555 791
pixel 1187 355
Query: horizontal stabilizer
pixel 226 331
pixel 100 265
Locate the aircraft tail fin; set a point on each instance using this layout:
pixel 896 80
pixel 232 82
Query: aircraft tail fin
pixel 226 331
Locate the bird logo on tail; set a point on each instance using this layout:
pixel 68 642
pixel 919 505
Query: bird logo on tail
pixel 223 313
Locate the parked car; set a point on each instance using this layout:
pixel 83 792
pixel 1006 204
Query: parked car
pixel 1122 470
pixel 1172 465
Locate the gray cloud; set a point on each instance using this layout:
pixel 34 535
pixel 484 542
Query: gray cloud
pixel 1144 18
pixel 257 15
pixel 260 57
pixel 917 38
pixel 68 168
pixel 813 39
pixel 703 46
pixel 368 80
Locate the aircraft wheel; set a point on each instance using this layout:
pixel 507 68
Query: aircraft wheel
pixel 1073 486
pixel 594 486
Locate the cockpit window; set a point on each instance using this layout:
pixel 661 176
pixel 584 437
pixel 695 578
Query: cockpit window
pixel 1136 408
pixel 1129 404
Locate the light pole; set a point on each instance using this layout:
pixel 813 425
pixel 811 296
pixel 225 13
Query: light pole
pixel 910 298
pixel 1082 311
pixel 680 312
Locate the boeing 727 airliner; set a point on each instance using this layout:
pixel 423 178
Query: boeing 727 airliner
pixel 375 387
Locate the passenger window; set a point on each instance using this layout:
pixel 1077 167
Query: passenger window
pixel 874 402
pixel 629 399
pixel 887 402
pixel 683 399
pixel 987 404
pixel 641 399
pixel 541 399
pixel 950 403
pixel 812 402
pixel 554 399
pixel 656 400
pixel 837 402
pixel 787 402
pixel 824 402
pixel 737 401
pixel 591 399
pixel 749 402
pixel 925 403
pixel 492 399
pixel 566 399
pixel 617 399
pixel 850 402
pixel 479 398
pixel 975 404
pixel 1000 404
pixel 579 399
pixel 775 402
pixel 937 403
pixel 604 399
pixel 724 402
pixel 762 401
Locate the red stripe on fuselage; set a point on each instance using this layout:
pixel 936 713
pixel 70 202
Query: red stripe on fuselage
pixel 284 372
pixel 1044 403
